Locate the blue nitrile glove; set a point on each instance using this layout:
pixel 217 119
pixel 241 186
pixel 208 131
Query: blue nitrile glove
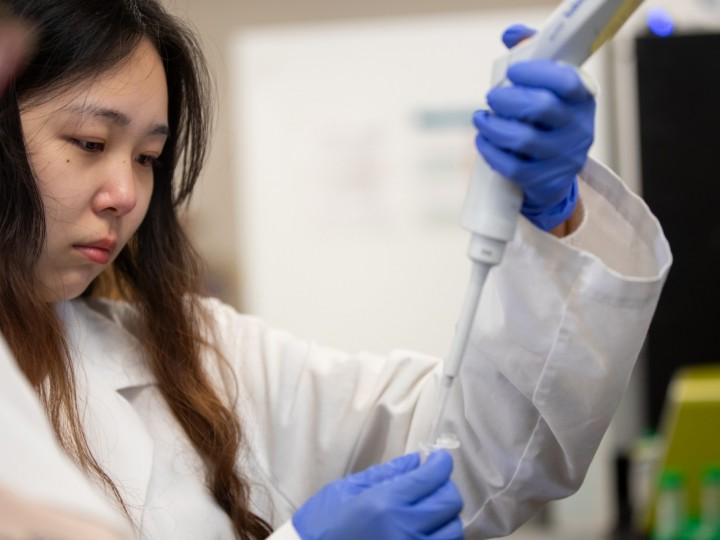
pixel 538 133
pixel 399 500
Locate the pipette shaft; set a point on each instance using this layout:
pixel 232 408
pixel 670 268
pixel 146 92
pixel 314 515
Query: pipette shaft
pixel 462 335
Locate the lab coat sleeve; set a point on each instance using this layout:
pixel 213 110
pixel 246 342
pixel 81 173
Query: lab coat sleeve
pixel 558 330
pixel 33 467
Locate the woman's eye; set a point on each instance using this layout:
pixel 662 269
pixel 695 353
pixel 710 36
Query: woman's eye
pixel 88 146
pixel 148 161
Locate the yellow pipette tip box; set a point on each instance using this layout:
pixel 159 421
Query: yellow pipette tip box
pixel 691 431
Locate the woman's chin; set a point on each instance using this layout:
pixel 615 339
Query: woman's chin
pixel 70 286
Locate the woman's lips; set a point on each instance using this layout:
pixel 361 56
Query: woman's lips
pixel 95 254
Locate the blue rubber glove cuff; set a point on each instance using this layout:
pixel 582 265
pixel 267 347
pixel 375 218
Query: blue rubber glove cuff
pixel 549 218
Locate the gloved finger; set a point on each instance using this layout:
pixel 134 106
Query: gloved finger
pixel 436 510
pixel 554 193
pixel 534 105
pixel 524 173
pixel 450 531
pixel 502 162
pixel 543 186
pixel 515 34
pixel 425 480
pixel 561 79
pixel 518 137
pixel 385 471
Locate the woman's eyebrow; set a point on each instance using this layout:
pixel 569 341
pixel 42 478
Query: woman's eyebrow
pixel 115 117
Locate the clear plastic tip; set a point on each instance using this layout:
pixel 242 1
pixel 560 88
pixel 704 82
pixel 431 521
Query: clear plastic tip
pixel 446 441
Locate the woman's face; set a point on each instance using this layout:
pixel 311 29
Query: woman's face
pixel 92 151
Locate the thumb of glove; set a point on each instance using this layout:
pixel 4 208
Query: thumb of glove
pixel 517 33
pixel 384 472
pixel 424 480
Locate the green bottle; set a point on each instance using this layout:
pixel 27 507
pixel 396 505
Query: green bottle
pixel 709 528
pixel 671 512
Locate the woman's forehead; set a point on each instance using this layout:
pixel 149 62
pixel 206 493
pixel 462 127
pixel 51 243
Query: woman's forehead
pixel 133 92
pixel 138 81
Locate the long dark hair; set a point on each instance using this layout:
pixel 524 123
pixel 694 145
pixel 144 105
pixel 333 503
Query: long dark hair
pixel 158 271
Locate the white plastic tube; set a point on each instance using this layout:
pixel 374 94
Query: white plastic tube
pixel 459 346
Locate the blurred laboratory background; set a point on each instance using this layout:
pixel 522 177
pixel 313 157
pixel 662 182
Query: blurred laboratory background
pixel 340 158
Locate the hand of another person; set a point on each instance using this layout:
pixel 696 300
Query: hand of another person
pixel 21 519
pixel 399 500
pixel 538 133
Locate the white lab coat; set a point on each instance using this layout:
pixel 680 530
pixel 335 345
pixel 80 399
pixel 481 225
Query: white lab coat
pixel 557 333
pixel 32 464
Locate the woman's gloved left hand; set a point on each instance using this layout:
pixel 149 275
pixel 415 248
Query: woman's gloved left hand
pixel 399 500
pixel 538 133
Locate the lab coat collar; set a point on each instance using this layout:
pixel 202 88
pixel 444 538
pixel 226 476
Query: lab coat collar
pixel 110 370
pixel 102 344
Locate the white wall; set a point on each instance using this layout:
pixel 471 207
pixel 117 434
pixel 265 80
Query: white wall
pixel 217 21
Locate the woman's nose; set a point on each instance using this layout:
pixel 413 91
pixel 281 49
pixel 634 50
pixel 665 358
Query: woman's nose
pixel 118 193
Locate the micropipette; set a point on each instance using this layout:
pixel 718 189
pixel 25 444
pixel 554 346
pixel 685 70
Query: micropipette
pixel 572 33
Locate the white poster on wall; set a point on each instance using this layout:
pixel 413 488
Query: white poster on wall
pixel 355 149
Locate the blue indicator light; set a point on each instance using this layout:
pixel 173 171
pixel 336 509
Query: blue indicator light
pixel 660 22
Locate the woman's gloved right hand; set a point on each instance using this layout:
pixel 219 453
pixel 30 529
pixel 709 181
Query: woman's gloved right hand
pixel 399 500
pixel 538 132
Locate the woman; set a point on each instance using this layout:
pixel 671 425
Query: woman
pixel 199 422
